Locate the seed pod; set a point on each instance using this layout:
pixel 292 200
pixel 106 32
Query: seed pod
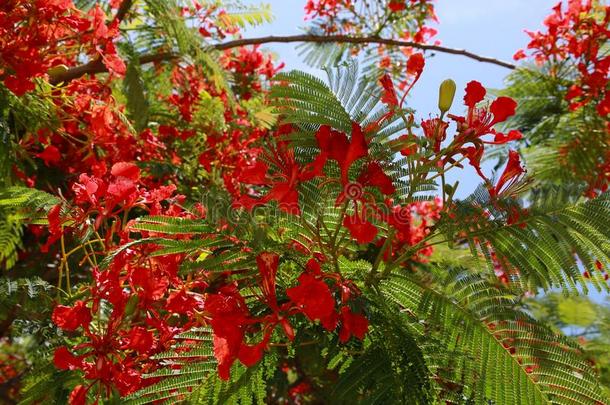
pixel 446 92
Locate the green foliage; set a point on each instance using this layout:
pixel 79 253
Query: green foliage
pixel 554 236
pixel 19 206
pixel 249 16
pixel 10 239
pixel 478 341
pixel 583 320
pixel 192 376
pixel 135 92
pixel 560 146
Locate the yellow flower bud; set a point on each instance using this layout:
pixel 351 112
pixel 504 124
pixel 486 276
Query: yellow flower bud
pixel 446 92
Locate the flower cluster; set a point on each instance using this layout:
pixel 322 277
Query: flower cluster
pixel 579 34
pixel 311 297
pixel 29 50
pixel 350 17
pixel 407 20
pixel 576 36
pixel 133 300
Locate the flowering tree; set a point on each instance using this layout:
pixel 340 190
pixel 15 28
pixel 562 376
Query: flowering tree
pixel 183 221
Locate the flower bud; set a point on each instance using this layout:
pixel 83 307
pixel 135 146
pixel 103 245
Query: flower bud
pixel 446 92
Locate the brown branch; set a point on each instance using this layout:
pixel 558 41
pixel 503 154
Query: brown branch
pixel 97 66
pixel 123 10
pixel 346 39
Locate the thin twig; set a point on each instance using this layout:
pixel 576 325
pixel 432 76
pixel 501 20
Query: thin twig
pixel 97 66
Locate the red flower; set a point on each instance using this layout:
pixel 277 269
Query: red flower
pixel 126 169
pixel 255 174
pixel 397 5
pixel 435 130
pixel 314 298
pixel 373 175
pixel 64 360
pixel 475 93
pixel 409 145
pixel 362 230
pixel 181 303
pixel 352 325
pixel 55 227
pixel 357 149
pixel 474 155
pixel 389 94
pixel 229 315
pixel 19 85
pixel 334 145
pixel 267 266
pixel 513 135
pixel 502 108
pixel 139 339
pixel 283 182
pixel 113 61
pixel 50 155
pixel 78 396
pixel 250 355
pixel 512 173
pixel 415 64
pixel 70 318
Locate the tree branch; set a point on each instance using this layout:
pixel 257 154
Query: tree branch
pixel 346 39
pixel 123 10
pixel 96 66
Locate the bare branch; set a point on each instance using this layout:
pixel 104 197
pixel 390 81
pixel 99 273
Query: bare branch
pixel 96 66
pixel 362 40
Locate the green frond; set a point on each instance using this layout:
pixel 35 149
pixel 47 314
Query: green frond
pixel 250 15
pixel 498 353
pixel 19 206
pixel 134 89
pixel 171 225
pixel 548 246
pixel 32 287
pixel 27 198
pixel 45 384
pixel 186 365
pixel 305 99
pixel 321 55
pixel 192 377
pixel 221 261
pixel 11 232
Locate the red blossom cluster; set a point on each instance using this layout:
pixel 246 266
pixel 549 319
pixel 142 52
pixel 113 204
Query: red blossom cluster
pixel 312 297
pixel 247 66
pixel 35 37
pixel 29 36
pixel 576 36
pixel 469 141
pixel 579 34
pixel 228 150
pixel 137 302
pixel 349 17
pixel 11 367
pixel 406 20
